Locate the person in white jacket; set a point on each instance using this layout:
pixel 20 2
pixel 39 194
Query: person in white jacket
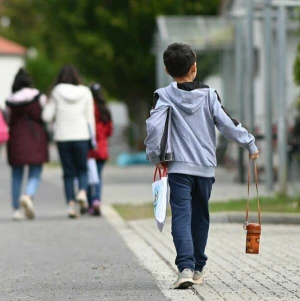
pixel 70 106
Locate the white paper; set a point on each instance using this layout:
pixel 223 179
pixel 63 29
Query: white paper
pixel 93 177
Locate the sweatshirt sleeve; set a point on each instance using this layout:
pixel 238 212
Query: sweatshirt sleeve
pixel 155 128
pixel 49 110
pixel 229 128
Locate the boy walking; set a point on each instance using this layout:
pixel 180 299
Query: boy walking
pixel 196 110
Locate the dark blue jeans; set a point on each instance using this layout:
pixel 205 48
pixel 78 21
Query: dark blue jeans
pixel 95 191
pixel 73 157
pixel 189 196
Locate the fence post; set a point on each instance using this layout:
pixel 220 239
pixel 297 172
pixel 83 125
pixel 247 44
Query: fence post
pixel 268 95
pixel 281 132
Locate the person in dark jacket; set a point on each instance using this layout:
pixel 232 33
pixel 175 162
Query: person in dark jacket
pixel 28 143
pixel 104 129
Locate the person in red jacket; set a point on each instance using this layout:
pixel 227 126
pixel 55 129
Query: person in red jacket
pixel 104 129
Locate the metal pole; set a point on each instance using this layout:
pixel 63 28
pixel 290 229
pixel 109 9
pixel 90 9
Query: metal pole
pixel 250 63
pixel 281 132
pixel 268 95
pixel 158 70
pixel 250 71
pixel 226 61
pixel 239 88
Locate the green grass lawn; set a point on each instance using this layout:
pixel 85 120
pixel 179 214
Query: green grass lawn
pixel 276 204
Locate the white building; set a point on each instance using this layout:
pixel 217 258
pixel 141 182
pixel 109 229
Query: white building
pixel 233 8
pixel 11 59
pixel 236 11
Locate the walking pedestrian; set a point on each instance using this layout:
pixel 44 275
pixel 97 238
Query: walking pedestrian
pixel 28 142
pixel 70 106
pixel 104 129
pixel 196 110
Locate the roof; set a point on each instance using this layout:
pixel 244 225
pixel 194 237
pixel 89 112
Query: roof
pixel 10 47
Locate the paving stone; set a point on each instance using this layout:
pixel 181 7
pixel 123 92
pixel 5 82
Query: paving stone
pixel 233 275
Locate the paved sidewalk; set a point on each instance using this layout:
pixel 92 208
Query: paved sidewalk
pixel 133 184
pixel 231 274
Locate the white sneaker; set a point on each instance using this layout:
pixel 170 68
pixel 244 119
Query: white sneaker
pixel 72 210
pixel 198 277
pixel 184 280
pixel 27 205
pixel 81 198
pixel 18 215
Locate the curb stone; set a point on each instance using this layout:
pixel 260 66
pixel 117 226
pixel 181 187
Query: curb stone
pixel 150 259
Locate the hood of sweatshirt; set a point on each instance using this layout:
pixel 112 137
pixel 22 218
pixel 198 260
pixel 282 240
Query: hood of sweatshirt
pixel 69 92
pixel 22 96
pixel 188 97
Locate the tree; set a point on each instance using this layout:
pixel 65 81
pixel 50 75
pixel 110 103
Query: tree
pixel 109 41
pixel 297 67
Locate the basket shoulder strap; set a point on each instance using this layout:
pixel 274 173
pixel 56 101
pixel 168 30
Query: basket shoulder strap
pixel 248 198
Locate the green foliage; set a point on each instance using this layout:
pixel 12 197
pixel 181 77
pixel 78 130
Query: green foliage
pixel 297 67
pixel 43 71
pixel 109 41
pixel 26 24
pixel 207 64
pixel 277 204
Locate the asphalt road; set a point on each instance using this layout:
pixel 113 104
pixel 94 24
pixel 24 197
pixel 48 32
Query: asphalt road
pixel 54 258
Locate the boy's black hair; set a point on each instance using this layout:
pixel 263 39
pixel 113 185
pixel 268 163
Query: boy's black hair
pixel 22 80
pixel 178 59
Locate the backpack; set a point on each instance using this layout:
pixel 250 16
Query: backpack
pixel 4 133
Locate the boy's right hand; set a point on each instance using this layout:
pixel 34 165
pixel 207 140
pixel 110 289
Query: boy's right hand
pixel 254 156
pixel 161 165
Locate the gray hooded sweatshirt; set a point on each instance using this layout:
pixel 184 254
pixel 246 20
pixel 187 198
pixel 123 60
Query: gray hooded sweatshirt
pixel 195 114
